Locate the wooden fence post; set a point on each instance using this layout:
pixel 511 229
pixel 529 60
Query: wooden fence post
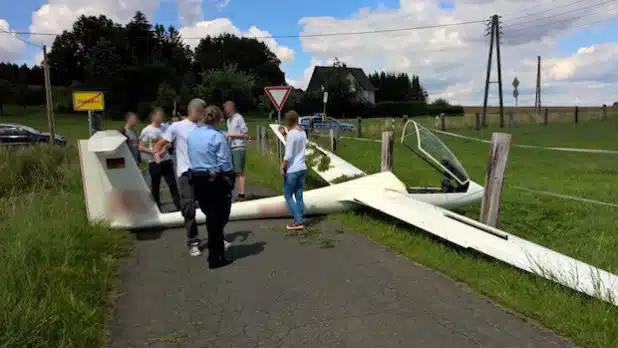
pixel 405 118
pixel 387 152
pixel 477 121
pixel 545 116
pixel 511 120
pixel 604 112
pixel 359 129
pixel 333 140
pixel 265 140
pixel 442 122
pixel 494 177
pixel 576 114
pixel 393 124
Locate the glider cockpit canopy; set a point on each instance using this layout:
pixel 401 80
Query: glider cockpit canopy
pixel 432 150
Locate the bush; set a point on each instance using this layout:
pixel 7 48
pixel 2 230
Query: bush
pixel 56 270
pixel 34 168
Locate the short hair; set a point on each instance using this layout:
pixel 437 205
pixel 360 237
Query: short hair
pixel 291 118
pixel 194 104
pixel 129 115
pixel 212 115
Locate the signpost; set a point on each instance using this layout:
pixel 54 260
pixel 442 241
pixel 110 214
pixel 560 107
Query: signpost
pixel 88 101
pixel 325 100
pixel 278 95
pixel 515 91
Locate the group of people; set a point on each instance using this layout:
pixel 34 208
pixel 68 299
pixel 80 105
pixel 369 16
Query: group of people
pixel 209 163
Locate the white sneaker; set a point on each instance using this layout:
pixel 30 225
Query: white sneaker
pixel 226 244
pixel 194 250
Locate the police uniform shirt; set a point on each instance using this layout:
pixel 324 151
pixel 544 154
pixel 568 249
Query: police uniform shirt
pixel 209 150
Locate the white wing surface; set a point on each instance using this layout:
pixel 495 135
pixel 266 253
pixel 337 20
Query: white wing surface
pixel 337 167
pixel 503 246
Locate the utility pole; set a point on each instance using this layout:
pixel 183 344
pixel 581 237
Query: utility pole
pixel 537 100
pixel 494 31
pixel 48 99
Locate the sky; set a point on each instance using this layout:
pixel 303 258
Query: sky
pixel 576 39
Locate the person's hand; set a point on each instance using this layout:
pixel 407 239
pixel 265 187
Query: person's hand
pixel 157 157
pixel 282 170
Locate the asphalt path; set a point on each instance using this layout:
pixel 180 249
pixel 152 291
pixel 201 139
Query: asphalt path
pixel 333 288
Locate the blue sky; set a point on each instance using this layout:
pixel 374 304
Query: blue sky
pixel 281 17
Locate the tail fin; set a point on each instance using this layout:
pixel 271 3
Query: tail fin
pixel 114 188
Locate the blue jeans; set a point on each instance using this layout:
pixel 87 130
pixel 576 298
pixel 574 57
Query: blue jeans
pixel 293 186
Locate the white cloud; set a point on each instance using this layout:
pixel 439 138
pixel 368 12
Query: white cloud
pixel 223 25
pixel 10 47
pixel 451 61
pixel 58 15
pixel 189 11
pixel 223 4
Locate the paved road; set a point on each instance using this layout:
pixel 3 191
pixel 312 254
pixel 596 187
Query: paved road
pixel 281 292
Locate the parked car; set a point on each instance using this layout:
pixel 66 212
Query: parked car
pixel 305 123
pixel 20 135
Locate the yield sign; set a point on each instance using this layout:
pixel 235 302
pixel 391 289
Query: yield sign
pixel 278 95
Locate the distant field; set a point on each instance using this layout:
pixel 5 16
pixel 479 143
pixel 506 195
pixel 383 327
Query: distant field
pixel 496 109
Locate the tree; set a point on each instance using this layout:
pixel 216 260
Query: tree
pixel 166 96
pixel 397 87
pixel 227 83
pixel 250 56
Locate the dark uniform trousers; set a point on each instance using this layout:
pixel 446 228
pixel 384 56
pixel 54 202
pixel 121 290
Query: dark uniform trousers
pixel 163 169
pixel 213 192
pixel 188 206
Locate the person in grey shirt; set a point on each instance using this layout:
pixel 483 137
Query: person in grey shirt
pixel 237 134
pixel 131 134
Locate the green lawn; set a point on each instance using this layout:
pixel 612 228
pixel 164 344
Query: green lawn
pixel 581 230
pixel 60 308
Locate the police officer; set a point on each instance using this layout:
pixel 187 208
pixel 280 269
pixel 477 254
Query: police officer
pixel 212 177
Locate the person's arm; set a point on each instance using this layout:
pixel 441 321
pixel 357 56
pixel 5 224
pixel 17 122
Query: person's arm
pixel 244 131
pixel 142 142
pixel 223 154
pixel 164 142
pixel 289 146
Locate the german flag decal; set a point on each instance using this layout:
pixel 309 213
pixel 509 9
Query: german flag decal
pixel 114 163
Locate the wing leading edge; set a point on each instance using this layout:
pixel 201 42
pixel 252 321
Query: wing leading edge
pixel 503 246
pixel 337 168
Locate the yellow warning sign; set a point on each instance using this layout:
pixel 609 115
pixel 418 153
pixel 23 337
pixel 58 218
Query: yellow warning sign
pixel 88 101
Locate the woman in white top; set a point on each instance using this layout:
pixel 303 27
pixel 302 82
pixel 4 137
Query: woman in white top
pixel 293 169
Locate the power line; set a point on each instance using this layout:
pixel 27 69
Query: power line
pixel 377 31
pixel 524 29
pixel 563 13
pixel 14 34
pixel 547 10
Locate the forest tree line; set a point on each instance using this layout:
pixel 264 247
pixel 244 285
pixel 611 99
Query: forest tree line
pixel 140 65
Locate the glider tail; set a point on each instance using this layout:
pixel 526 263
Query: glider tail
pixel 114 188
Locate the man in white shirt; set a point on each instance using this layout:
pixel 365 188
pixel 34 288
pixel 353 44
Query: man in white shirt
pixel 237 133
pixel 165 167
pixel 177 135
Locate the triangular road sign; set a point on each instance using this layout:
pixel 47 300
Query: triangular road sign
pixel 278 95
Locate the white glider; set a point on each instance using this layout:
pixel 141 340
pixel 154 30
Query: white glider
pixel 117 193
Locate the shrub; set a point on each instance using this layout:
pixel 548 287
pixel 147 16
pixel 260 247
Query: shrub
pixel 35 167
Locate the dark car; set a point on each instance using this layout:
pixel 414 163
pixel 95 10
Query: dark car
pixel 20 135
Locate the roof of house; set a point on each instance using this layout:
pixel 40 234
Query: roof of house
pixel 319 72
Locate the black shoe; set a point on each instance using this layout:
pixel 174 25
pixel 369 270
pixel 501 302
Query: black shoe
pixel 219 262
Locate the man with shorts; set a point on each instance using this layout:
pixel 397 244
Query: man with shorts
pixel 237 134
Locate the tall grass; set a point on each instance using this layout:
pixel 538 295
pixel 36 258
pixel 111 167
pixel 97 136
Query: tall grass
pixel 56 270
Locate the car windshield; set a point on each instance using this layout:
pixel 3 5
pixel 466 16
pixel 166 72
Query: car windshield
pixel 428 146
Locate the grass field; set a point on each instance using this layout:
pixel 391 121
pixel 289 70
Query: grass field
pixel 581 230
pixel 65 272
